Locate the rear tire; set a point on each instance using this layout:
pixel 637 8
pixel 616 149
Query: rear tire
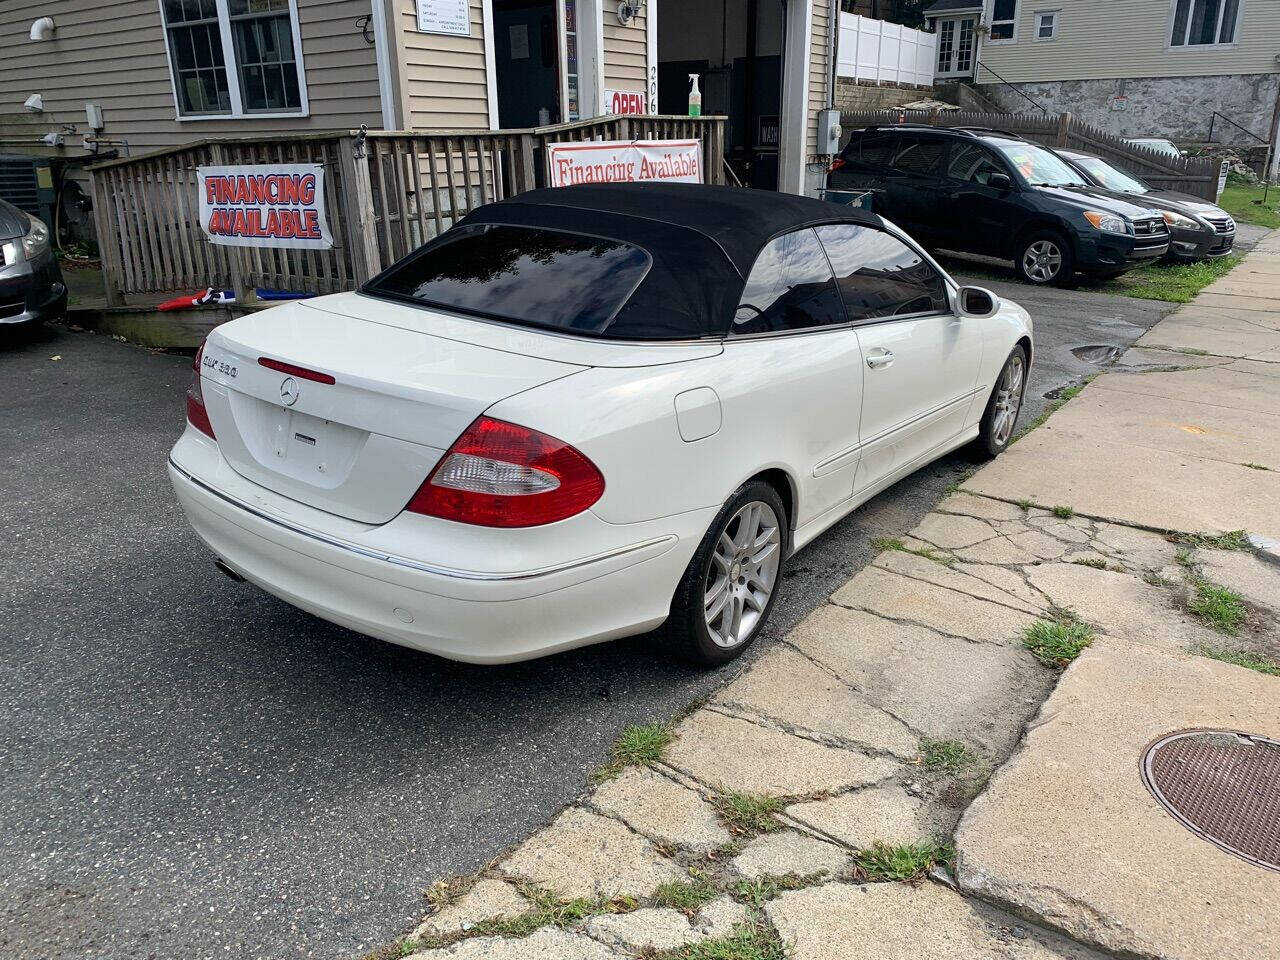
pixel 730 586
pixel 1046 258
pixel 995 432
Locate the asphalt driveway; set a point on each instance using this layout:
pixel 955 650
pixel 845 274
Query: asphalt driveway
pixel 191 768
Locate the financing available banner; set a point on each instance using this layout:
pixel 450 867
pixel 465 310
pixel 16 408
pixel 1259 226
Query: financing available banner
pixel 624 161
pixel 264 205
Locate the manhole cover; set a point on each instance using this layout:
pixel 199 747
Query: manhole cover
pixel 1223 786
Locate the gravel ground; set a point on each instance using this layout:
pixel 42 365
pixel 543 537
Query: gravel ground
pixel 190 767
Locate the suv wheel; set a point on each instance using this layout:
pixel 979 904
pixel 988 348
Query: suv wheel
pixel 1046 258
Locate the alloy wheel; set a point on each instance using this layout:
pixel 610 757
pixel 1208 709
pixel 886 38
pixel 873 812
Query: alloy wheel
pixel 1008 400
pixel 742 574
pixel 1042 261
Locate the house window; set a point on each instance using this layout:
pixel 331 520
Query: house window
pixel 1004 17
pixel 234 58
pixel 1047 24
pixel 1201 23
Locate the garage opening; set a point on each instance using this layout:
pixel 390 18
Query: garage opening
pixel 735 47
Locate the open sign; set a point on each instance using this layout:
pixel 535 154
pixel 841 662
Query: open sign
pixel 624 101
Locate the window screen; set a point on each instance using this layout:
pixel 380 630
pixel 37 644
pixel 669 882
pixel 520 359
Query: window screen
pixel 790 288
pixel 527 275
pixel 263 34
pixel 879 275
pixel 920 155
pixel 199 67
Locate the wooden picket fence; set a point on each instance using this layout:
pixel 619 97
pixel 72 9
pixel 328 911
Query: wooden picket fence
pixel 386 193
pixel 1194 175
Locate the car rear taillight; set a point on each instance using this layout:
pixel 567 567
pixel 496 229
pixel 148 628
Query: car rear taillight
pixel 499 474
pixel 196 413
pixel 836 164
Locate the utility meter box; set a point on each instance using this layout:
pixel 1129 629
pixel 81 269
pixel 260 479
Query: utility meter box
pixel 93 114
pixel 829 132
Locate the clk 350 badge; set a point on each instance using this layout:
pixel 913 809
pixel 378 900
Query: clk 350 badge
pixel 215 365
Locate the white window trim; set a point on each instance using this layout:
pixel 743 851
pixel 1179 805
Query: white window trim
pixel 1200 47
pixel 233 72
pixel 991 22
pixel 1035 24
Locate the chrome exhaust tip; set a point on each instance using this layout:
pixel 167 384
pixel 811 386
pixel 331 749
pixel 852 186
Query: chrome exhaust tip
pixel 228 571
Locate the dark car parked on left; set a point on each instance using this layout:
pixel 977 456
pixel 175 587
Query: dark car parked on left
pixel 31 287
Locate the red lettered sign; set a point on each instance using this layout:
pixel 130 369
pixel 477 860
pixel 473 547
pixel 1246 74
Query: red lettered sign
pixel 264 205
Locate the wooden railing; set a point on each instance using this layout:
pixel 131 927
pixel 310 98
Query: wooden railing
pixel 385 193
pixel 1194 175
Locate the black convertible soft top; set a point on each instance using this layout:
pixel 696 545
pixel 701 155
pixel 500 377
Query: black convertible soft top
pixel 701 240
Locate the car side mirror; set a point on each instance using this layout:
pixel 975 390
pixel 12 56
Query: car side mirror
pixel 1000 181
pixel 976 303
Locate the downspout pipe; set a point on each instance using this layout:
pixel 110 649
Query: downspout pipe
pixel 833 50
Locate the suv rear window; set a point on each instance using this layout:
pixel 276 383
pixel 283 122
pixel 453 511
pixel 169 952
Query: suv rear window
pixel 527 275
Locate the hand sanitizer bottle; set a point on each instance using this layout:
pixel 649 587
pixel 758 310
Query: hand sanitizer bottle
pixel 695 97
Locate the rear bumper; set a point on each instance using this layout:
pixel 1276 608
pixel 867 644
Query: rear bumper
pixel 478 616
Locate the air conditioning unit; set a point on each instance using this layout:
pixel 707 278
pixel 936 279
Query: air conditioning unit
pixel 27 183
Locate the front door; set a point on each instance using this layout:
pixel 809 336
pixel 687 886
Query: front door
pixel 526 47
pixel 957 43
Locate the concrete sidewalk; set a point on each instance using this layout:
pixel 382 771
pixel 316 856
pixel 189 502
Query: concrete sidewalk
pixel 911 772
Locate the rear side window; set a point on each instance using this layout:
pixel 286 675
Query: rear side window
pixel 920 155
pixel 528 275
pixel 873 149
pixel 879 275
pixel 790 288
pixel 973 164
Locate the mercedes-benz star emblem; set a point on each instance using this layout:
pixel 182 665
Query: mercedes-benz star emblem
pixel 289 391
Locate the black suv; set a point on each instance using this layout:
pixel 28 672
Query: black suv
pixel 992 193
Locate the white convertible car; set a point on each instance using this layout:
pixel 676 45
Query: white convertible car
pixel 582 413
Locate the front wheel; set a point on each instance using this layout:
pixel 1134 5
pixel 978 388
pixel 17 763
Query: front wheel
pixel 996 430
pixel 1046 259
pixel 729 588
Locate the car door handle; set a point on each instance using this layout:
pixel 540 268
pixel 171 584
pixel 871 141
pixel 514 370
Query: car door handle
pixel 879 360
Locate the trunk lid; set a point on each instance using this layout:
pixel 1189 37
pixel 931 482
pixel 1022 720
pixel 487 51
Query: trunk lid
pixel 361 446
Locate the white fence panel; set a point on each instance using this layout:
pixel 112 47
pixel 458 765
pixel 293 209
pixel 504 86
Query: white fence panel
pixel 880 52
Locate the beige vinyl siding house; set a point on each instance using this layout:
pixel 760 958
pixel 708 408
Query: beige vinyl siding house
pixel 169 72
pixel 1141 67
pixel 112 53
pixel 444 77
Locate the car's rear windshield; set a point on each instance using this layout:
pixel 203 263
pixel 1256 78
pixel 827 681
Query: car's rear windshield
pixel 527 275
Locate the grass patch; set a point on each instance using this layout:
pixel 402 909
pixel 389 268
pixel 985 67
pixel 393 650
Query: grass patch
pixel 1243 201
pixel 1153 579
pixel 955 485
pixel 1256 466
pixel 1026 503
pixel 686 895
pixel 748 812
pixel 756 893
pixel 1064 513
pixel 639 745
pixel 1183 558
pixel 909 861
pixel 1231 540
pixel 946 756
pixel 753 940
pixel 893 543
pixel 1096 562
pixel 1172 283
pixel 1224 609
pixel 550 911
pixel 1055 643
pixel 1250 661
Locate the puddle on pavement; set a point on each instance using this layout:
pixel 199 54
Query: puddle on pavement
pixel 1097 353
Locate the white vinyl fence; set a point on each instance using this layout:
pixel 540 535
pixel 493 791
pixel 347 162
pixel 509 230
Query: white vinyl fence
pixel 882 52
